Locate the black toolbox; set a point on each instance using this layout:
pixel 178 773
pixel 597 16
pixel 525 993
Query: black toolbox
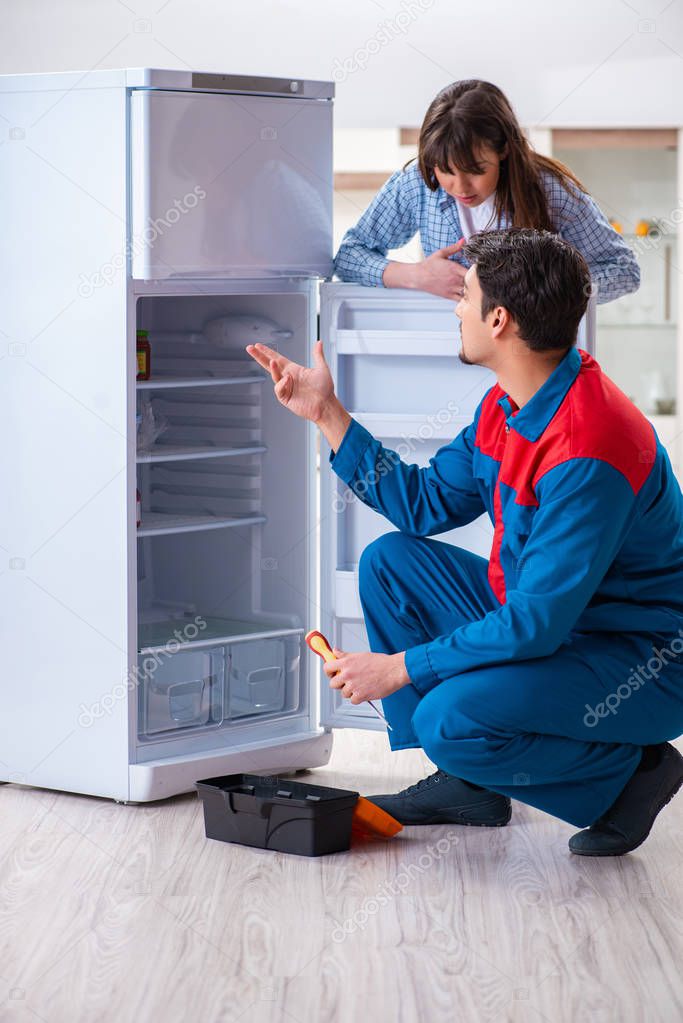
pixel 276 813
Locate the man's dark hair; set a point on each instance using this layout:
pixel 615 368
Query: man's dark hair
pixel 542 281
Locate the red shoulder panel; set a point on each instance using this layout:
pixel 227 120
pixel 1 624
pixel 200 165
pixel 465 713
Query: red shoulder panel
pixel 595 420
pixel 491 424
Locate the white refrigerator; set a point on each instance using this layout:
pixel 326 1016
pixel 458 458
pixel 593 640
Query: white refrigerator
pixel 164 543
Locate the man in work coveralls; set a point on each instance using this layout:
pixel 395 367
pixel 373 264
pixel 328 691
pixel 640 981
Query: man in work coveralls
pixel 553 672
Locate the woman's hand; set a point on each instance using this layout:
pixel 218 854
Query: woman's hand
pixel 436 274
pixel 306 392
pixel 361 677
pixel 440 275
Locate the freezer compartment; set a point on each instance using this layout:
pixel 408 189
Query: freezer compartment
pixel 212 687
pixel 230 186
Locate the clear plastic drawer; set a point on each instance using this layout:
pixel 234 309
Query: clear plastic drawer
pixel 217 686
pixel 183 690
pixel 263 676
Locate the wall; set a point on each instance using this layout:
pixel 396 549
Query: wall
pixel 604 63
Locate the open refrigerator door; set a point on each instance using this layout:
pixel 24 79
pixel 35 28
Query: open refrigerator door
pixel 393 355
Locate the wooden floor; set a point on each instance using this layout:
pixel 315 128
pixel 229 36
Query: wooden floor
pixel 128 913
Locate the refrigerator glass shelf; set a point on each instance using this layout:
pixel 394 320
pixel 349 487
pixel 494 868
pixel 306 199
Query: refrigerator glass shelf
pixel 167 382
pixel 157 635
pixel 187 452
pixel 160 524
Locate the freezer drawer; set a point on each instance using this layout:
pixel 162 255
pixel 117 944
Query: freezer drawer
pixel 230 185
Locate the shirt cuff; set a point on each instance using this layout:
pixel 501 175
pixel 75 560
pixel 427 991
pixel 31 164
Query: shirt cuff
pixel 346 459
pixel 358 265
pixel 373 271
pixel 420 670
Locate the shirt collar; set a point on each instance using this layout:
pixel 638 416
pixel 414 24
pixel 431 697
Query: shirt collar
pixel 531 420
pixel 445 199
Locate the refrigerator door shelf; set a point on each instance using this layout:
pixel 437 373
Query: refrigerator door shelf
pixel 389 342
pixel 420 393
pixel 229 186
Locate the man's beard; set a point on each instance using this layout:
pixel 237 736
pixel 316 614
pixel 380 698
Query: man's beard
pixel 463 357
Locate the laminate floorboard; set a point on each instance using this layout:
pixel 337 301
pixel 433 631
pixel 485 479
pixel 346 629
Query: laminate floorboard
pixel 127 913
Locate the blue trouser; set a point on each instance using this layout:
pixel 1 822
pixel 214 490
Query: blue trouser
pixel 522 728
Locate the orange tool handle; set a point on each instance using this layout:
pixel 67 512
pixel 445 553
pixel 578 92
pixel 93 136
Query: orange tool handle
pixel 320 646
pixel 369 821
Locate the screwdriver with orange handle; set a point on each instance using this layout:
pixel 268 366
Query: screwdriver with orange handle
pixel 320 646
pixel 369 821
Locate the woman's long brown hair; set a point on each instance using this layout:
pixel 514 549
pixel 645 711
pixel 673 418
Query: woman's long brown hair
pixel 470 113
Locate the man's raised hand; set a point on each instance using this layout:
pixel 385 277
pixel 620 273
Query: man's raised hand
pixel 306 392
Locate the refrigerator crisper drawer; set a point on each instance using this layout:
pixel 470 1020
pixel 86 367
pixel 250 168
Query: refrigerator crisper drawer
pixel 219 686
pixel 230 186
pixel 263 677
pixel 185 690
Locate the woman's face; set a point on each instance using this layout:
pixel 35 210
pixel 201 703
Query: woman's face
pixel 472 189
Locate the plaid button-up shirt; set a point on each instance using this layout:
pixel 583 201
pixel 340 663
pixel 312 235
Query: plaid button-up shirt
pixel 404 206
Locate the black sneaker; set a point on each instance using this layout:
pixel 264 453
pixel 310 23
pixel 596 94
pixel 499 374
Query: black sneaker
pixel 628 821
pixel 444 799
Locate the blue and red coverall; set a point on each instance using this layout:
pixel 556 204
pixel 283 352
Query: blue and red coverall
pixel 541 673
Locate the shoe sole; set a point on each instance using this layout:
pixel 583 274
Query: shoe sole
pixel 630 848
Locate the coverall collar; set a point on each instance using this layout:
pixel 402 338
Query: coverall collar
pixel 532 419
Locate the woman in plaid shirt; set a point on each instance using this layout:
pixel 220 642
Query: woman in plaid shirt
pixel 476 170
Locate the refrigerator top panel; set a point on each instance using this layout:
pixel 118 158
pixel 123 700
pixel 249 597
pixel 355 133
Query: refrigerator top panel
pixel 209 81
pixel 227 184
pixel 165 78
